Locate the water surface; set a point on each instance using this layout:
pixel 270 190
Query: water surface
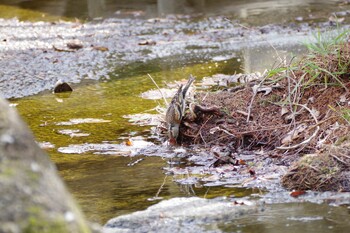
pixel 105 185
pixel 253 12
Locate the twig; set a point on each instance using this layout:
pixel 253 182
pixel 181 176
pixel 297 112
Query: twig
pixel 220 129
pixel 340 160
pixel 161 187
pixel 199 131
pixel 307 140
pixel 165 101
pixel 255 91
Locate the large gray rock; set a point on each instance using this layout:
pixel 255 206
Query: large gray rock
pixel 32 196
pixel 181 215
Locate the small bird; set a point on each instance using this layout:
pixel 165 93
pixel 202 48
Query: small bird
pixel 176 111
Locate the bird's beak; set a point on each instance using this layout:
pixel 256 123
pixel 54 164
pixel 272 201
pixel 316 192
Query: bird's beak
pixel 172 141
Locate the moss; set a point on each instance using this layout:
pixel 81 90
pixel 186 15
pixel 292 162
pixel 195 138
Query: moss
pixel 33 176
pixel 39 222
pixel 40 225
pixel 7 171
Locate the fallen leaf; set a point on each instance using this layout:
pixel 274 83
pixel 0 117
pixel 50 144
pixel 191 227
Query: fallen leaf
pixel 294 134
pixel 343 98
pixel 74 45
pixel 62 50
pixel 252 172
pixel 284 110
pixel 242 162
pixel 100 48
pixel 128 142
pixel 258 88
pixel 297 193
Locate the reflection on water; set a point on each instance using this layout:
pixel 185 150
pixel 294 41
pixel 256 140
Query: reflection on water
pixel 255 12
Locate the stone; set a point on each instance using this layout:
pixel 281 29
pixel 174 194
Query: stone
pixel 33 198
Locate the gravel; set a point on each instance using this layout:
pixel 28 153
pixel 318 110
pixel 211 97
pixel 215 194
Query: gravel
pixel 34 56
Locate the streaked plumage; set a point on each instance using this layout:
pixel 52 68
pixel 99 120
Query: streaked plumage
pixel 176 110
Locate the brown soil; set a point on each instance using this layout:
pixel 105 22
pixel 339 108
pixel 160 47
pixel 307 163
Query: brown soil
pixel 313 121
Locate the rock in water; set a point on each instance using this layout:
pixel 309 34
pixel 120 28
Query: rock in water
pixel 32 196
pixel 62 87
pixel 182 215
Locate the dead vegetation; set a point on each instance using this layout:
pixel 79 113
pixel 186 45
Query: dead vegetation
pixel 327 171
pixel 292 111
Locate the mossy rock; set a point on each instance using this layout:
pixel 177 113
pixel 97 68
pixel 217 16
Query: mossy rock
pixel 33 198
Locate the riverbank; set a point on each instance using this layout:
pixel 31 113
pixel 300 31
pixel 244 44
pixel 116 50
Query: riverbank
pixel 293 120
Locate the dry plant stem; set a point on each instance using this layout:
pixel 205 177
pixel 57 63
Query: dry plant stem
pixel 253 97
pixel 161 186
pixel 225 131
pixel 165 101
pixel 338 159
pixel 205 143
pixel 200 129
pixel 307 140
pixel 296 97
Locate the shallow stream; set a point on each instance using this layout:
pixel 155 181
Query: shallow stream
pixel 89 128
pixel 85 132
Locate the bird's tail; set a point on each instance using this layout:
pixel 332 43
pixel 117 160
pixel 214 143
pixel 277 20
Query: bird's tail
pixel 187 86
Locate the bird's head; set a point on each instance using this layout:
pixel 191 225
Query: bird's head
pixel 173 133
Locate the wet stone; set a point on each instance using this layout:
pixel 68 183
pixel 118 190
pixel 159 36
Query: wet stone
pixel 62 87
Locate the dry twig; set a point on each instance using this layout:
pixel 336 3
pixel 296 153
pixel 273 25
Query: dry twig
pixel 307 140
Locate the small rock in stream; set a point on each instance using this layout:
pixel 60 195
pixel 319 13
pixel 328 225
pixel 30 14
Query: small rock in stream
pixel 62 87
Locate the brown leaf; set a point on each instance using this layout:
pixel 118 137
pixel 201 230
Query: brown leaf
pixel 73 45
pixel 297 193
pixel 252 172
pixel 62 50
pixel 242 162
pixel 128 142
pixel 100 48
pixel 294 134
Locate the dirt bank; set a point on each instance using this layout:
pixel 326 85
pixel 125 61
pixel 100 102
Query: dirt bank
pixel 288 113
